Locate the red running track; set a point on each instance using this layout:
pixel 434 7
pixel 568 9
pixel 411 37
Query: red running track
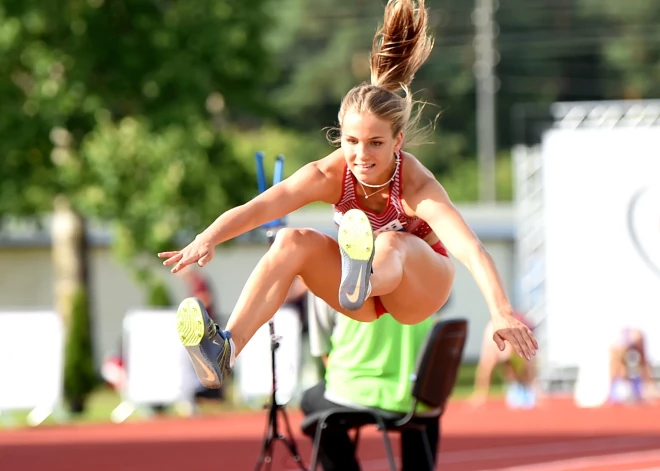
pixel 555 437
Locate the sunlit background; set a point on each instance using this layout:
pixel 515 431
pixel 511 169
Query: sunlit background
pixel 127 126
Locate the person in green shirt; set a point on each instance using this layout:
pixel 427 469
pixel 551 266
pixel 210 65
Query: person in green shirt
pixel 368 365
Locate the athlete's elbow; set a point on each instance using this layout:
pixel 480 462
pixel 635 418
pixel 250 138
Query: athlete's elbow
pixel 475 255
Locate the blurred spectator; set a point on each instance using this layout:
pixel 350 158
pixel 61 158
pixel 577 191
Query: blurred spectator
pixel 113 371
pixel 199 287
pixel 631 374
pixel 519 374
pixel 368 364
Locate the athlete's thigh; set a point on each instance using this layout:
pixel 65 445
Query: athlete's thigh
pixel 425 285
pixel 322 275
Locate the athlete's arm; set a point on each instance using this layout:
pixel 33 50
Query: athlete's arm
pixel 313 182
pixel 306 185
pixel 430 201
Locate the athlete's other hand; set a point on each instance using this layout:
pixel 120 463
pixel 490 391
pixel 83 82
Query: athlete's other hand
pixel 509 329
pixel 199 251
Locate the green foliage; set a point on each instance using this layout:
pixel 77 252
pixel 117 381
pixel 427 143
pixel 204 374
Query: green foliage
pixel 462 183
pixel 323 48
pixel 159 296
pixel 298 148
pixel 92 89
pixel 630 48
pixel 122 105
pixel 80 376
pixel 155 185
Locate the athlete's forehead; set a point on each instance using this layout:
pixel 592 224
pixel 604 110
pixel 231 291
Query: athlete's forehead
pixel 365 126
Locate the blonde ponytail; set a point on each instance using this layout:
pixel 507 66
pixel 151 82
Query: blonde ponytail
pixel 401 45
pixel 399 49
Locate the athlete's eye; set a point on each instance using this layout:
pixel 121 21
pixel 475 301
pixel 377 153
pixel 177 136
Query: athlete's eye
pixel 377 143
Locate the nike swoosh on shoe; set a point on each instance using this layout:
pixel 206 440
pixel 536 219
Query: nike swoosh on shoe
pixel 356 244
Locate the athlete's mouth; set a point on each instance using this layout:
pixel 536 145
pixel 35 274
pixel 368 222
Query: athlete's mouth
pixel 365 166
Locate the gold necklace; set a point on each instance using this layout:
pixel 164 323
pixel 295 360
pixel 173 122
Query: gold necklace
pixel 364 190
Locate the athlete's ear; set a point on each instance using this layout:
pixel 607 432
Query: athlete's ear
pixel 398 142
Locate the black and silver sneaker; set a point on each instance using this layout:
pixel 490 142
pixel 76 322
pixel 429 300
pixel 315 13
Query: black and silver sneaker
pixel 209 347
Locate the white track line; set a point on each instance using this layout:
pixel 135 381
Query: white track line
pixel 593 461
pixel 605 445
pixel 546 449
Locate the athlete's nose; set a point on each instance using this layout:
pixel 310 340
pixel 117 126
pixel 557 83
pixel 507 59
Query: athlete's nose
pixel 360 152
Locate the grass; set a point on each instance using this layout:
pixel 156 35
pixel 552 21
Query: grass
pixel 465 382
pixel 99 408
pixel 104 400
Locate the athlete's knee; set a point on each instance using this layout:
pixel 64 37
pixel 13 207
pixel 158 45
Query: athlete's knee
pixel 294 239
pixel 391 240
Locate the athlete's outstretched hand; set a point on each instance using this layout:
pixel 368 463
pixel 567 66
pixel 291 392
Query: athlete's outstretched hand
pixel 508 328
pixel 199 251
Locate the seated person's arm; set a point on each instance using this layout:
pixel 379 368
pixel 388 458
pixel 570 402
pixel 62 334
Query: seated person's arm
pixel 321 322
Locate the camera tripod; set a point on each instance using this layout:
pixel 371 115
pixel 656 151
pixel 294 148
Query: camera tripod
pixel 273 433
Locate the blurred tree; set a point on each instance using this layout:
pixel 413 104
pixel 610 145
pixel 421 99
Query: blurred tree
pixel 117 109
pixel 159 296
pixel 549 50
pixel 323 49
pixel 629 41
pixel 119 106
pixel 80 376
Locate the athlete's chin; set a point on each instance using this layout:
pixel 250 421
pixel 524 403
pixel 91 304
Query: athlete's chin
pixel 370 177
pixel 364 173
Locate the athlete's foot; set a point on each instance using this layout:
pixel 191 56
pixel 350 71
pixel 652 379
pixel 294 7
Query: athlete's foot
pixel 209 347
pixel 356 243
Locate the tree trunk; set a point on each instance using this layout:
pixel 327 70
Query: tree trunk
pixel 72 301
pixel 69 252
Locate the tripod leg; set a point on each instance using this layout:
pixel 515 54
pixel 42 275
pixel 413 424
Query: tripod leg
pixel 266 455
pixel 290 442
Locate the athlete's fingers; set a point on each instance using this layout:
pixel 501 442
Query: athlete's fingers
pixel 523 350
pixel 536 342
pixel 168 254
pixel 528 336
pixel 499 341
pixel 509 336
pixel 517 347
pixel 175 258
pixel 204 260
pixel 181 265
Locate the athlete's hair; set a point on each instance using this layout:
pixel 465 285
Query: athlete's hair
pixel 400 47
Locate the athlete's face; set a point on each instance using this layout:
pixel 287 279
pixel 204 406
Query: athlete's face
pixel 369 147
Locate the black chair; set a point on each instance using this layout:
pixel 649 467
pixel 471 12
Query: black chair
pixel 435 376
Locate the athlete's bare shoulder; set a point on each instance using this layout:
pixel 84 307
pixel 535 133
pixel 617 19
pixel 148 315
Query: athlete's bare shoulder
pixel 331 169
pixel 415 175
pixel 332 165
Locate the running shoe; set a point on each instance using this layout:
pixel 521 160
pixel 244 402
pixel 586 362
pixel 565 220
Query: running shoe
pixel 209 347
pixel 356 244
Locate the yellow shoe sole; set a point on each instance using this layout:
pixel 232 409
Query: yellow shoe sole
pixel 356 237
pixel 190 323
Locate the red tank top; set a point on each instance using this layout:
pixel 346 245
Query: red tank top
pixel 393 218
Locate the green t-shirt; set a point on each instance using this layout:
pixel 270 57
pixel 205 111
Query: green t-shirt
pixel 371 364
